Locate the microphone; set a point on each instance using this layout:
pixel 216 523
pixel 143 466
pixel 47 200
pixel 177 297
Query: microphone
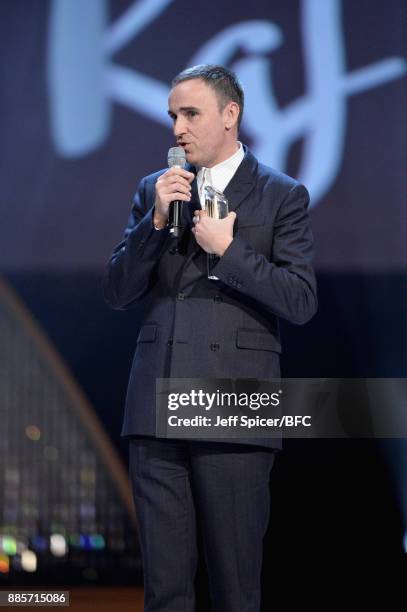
pixel 176 158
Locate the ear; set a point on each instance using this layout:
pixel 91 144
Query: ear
pixel 231 115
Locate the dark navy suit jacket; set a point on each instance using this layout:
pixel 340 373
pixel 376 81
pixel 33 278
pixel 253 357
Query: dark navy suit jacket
pixel 197 328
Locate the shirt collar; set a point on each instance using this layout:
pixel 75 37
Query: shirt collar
pixel 223 172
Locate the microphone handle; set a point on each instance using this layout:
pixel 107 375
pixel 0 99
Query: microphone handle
pixel 175 218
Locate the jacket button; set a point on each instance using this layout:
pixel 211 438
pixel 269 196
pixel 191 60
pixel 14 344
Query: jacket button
pixel 169 343
pixel 215 346
pixel 181 296
pixel 217 299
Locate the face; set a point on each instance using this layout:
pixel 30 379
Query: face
pixel 205 132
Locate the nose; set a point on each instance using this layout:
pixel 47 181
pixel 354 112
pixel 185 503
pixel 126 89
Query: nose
pixel 179 127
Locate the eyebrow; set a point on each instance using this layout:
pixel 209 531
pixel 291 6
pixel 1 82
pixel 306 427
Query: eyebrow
pixel 184 109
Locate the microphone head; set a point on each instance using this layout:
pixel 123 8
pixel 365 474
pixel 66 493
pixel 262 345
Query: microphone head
pixel 176 157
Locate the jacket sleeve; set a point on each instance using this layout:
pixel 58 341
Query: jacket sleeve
pixel 130 270
pixel 286 284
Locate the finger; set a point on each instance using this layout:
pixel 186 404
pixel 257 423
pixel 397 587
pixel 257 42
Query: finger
pixel 178 186
pixel 178 195
pixel 175 178
pixel 189 176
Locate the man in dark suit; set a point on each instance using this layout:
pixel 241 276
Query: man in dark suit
pixel 195 327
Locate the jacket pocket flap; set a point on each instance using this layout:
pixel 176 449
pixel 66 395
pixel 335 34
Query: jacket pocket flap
pixel 147 333
pixel 253 339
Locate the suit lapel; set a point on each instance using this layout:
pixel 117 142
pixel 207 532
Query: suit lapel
pixel 187 243
pixel 195 204
pixel 243 181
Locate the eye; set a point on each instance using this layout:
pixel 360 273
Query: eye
pixel 191 113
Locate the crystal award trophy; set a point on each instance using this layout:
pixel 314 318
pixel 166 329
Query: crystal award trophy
pixel 216 206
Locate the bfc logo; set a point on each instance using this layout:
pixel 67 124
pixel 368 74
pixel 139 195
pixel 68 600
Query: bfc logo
pixel 84 82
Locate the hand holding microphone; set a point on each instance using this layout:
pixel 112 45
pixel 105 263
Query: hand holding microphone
pixel 171 190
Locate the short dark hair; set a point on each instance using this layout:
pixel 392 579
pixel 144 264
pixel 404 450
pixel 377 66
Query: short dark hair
pixel 225 83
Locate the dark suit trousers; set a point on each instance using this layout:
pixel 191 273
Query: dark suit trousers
pixel 222 488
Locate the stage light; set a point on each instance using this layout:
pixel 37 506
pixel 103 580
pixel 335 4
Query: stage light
pixel 4 564
pixel 8 545
pixel 58 545
pixel 33 432
pixel 97 541
pixel 29 561
pixel 85 542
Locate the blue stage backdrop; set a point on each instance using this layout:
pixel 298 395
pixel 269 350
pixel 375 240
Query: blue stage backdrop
pixel 84 114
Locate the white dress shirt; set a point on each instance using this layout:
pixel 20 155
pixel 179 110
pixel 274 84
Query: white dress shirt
pixel 219 176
